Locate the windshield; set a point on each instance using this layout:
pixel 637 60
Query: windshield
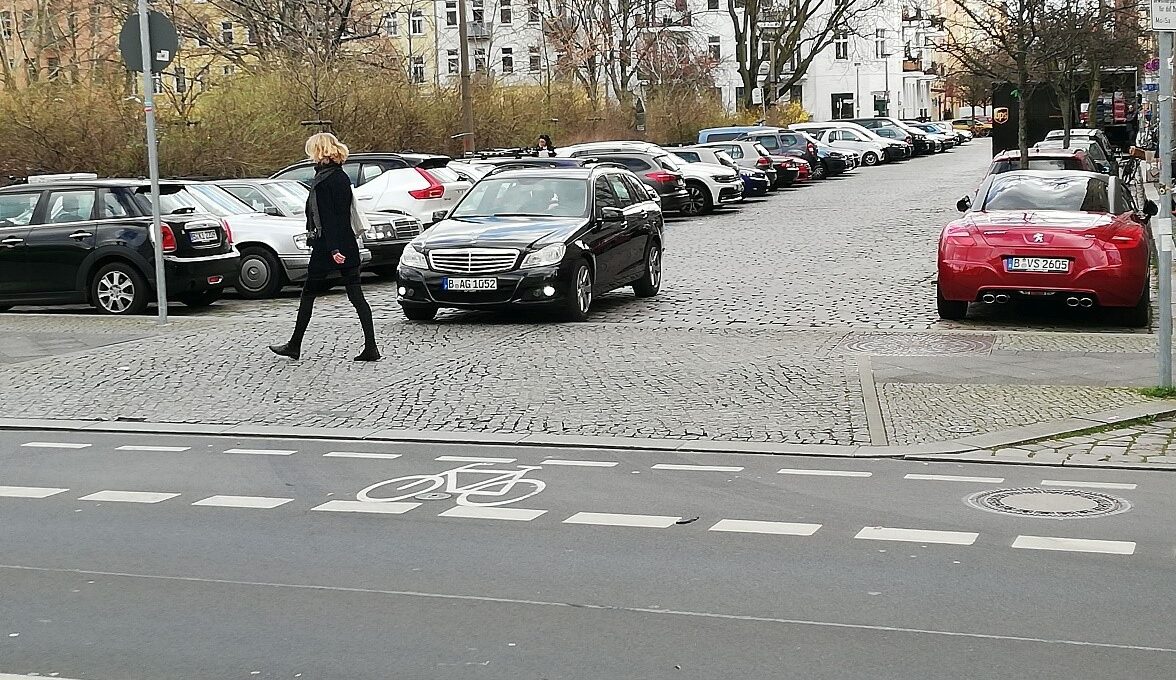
pixel 525 196
pixel 1072 194
pixel 291 196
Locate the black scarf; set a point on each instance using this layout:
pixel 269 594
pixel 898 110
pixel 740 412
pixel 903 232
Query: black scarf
pixel 322 172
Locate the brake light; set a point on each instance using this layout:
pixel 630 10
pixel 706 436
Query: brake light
pixel 959 236
pixel 228 232
pixel 662 176
pixel 434 190
pixel 763 162
pixel 169 239
pixel 812 149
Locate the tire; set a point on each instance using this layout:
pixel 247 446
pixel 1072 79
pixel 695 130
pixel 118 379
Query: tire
pixel 650 282
pixel 203 298
pixel 870 159
pixel 119 290
pixel 819 170
pixel 951 310
pixel 1139 316
pixel 419 312
pixel 261 274
pixel 698 201
pixel 578 302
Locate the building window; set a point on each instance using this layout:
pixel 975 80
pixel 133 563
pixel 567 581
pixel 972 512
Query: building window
pixel 418 70
pixel 227 70
pixel 479 11
pixel 841 44
pixel 31 68
pixel 28 23
pixel 715 47
pixel 6 24
pixel 842 106
pixel 765 49
pixel 95 18
pixel 880 44
pixel 532 11
pixel 391 27
pixel 227 32
pixel 712 4
pixel 157 82
pixel 71 23
pixel 181 80
pixel 534 62
pixel 450 12
pixel 54 64
pixel 202 37
pixel 796 95
pixel 507 60
pixel 451 61
pixel 739 95
pixel 480 60
pixel 416 22
pixel 505 12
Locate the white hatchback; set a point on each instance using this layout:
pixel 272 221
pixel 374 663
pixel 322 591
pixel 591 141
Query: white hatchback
pixel 417 191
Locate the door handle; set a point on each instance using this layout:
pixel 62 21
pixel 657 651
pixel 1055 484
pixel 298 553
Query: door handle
pixel 81 234
pixel 12 241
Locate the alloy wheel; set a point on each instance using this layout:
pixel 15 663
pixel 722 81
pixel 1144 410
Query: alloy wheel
pixel 695 201
pixel 116 292
pixel 655 266
pixel 583 289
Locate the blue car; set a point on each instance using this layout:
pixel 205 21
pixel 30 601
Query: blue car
pixel 755 182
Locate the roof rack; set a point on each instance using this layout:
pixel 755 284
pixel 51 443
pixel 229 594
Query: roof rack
pixel 498 153
pixel 64 177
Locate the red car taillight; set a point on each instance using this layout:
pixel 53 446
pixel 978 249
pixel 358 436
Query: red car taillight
pixel 434 190
pixel 812 149
pixel 763 162
pixel 228 232
pixel 662 176
pixel 959 236
pixel 169 239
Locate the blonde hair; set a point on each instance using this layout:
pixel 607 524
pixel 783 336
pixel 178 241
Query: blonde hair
pixel 324 147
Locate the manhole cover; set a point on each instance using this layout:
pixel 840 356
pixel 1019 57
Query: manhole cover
pixel 892 344
pixel 432 496
pixel 960 429
pixel 1049 503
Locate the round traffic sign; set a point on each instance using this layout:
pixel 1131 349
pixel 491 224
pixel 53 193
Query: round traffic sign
pixel 164 42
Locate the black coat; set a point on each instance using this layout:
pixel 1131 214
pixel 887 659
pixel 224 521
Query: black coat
pixel 331 192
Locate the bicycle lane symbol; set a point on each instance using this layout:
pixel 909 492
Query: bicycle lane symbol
pixel 503 487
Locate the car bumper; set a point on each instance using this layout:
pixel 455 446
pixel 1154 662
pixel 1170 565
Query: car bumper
pixel 297 266
pixel 193 275
pixel 385 253
pixel 519 288
pixel 729 194
pixel 1109 285
pixel 837 165
pixel 894 153
pixel 672 202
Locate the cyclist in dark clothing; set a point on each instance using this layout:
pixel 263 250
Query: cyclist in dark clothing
pixel 334 245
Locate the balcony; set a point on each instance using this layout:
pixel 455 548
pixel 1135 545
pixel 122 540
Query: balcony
pixel 479 30
pixel 910 65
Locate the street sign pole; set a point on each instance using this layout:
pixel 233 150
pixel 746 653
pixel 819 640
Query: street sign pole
pixel 1164 253
pixel 152 162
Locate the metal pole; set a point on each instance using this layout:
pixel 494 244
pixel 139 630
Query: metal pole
pixel 152 163
pixel 857 90
pixel 467 101
pixel 1165 242
pixel 1165 335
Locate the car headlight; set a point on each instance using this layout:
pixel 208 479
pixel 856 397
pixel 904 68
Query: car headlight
pixel 300 242
pixel 411 257
pixel 546 257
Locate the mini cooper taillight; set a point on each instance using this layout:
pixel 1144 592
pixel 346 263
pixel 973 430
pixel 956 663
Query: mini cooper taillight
pixel 169 239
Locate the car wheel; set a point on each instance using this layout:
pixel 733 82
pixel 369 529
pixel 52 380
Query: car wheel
pixel 819 170
pixel 203 298
pixel 119 290
pixel 1139 316
pixel 579 298
pixel 419 312
pixel 698 200
pixel 952 310
pixel 261 274
pixel 650 282
pixel 870 159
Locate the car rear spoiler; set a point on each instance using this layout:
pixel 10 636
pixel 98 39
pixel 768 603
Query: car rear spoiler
pixel 434 163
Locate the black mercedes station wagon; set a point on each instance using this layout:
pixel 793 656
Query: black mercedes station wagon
pixel 551 238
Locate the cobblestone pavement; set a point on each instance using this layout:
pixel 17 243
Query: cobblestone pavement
pixel 780 321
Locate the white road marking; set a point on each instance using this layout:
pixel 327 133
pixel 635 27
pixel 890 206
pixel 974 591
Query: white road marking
pixel 481 512
pixel 825 473
pixel 261 502
pixel 698 468
pixel 361 454
pixel 580 463
pixel 10 676
pixel 365 506
pixel 614 520
pixel 957 478
pixel 748 526
pixel 54 445
pixel 1075 545
pixel 1088 485
pixel 29 491
pixel 262 452
pixel 917 535
pixel 129 496
pixel 159 449
pixel 472 459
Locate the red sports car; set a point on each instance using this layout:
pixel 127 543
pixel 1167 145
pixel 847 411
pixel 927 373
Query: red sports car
pixel 1073 237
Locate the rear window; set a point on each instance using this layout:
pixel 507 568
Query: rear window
pixel 1072 194
pixel 759 148
pixel 668 163
pixel 769 143
pixel 16 210
pixel 634 164
pixel 999 167
pixel 688 156
pixel 721 136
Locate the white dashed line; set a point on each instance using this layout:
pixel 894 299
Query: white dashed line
pixel 825 473
pixel 259 502
pixel 579 463
pixel 10 676
pixel 29 491
pixel 957 478
pixel 361 454
pixel 917 535
pixel 480 512
pixel 698 468
pixel 472 459
pixel 158 449
pixel 1088 485
pixel 1075 545
pixel 129 496
pixel 365 506
pixel 747 526
pixel 615 520
pixel 262 452
pixel 54 445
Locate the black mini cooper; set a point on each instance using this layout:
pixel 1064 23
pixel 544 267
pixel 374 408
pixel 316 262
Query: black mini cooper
pixel 550 237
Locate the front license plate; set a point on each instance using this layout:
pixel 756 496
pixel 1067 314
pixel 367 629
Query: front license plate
pixel 1037 264
pixel 206 236
pixel 451 283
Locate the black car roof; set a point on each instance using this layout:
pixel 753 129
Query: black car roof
pixel 559 173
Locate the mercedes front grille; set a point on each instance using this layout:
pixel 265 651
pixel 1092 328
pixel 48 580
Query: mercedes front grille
pixel 473 260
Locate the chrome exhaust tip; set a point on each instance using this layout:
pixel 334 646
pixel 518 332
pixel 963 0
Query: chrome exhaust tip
pixel 1001 299
pixel 988 298
pixel 1071 302
pixel 1086 302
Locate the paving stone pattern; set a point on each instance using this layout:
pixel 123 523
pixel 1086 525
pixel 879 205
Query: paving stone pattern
pixel 1147 445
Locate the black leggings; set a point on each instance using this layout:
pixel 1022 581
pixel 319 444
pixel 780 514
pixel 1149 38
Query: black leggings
pixel 316 284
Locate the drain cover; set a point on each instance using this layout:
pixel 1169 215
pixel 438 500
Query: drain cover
pixel 1049 503
pixel 909 345
pixel 433 496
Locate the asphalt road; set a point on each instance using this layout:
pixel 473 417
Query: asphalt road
pixel 748 566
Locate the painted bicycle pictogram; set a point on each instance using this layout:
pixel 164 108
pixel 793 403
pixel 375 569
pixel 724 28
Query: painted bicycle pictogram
pixel 502 488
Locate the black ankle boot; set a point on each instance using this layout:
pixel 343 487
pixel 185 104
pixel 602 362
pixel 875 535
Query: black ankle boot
pixel 287 350
pixel 369 353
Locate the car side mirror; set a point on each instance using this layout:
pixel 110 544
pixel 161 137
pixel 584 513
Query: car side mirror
pixel 1103 168
pixel 439 215
pixel 1150 208
pixel 964 204
pixel 612 215
pixel 272 211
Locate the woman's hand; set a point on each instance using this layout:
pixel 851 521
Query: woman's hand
pixel 339 257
